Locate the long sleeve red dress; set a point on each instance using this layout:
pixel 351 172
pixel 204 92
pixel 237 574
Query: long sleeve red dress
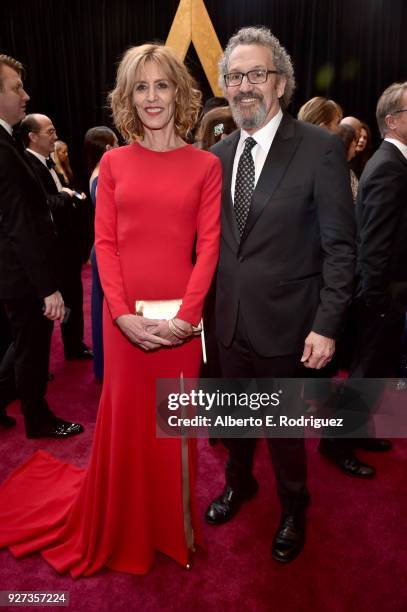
pixel 152 209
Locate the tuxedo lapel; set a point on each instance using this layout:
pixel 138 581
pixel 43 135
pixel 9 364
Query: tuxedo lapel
pixel 43 174
pixel 278 159
pixel 229 226
pixel 5 136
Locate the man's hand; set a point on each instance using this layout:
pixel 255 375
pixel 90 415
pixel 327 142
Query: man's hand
pixel 140 331
pixel 318 351
pixel 79 196
pixel 68 191
pixel 54 308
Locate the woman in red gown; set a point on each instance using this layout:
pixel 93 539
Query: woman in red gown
pixel 157 197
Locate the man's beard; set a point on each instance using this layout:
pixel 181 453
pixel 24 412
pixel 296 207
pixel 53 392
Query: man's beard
pixel 251 118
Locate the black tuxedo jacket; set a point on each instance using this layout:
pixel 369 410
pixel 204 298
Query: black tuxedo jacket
pixel 67 215
pixel 55 198
pixel 381 209
pixel 292 271
pixel 27 233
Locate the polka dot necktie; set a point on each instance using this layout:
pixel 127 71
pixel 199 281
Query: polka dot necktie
pixel 244 186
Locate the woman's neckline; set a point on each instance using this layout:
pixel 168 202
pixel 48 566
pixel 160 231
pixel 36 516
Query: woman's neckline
pixel 140 146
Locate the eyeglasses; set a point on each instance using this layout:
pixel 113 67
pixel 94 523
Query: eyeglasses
pixel 255 77
pixel 402 110
pixel 49 132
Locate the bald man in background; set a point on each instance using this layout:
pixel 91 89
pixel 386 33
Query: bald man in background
pixel 39 136
pixel 354 123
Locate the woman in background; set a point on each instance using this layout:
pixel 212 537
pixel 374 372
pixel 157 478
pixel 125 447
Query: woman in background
pixel 349 138
pixel 62 164
pixel 322 112
pixel 363 150
pixel 98 140
pixel 215 125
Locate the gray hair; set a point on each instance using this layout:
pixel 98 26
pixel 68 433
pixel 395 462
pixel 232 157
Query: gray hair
pixel 389 102
pixel 262 36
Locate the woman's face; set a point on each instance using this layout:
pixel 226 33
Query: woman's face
pixel 154 97
pixel 62 153
pixel 362 142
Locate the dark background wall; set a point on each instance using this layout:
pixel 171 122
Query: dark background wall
pixel 349 50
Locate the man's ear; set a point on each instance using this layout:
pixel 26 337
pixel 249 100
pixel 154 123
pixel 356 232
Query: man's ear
pixel 390 122
pixel 281 83
pixel 32 137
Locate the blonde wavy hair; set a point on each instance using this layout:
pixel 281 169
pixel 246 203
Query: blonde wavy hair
pixel 187 96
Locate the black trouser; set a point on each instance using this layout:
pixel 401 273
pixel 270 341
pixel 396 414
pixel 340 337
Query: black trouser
pixel 5 333
pixel 375 355
pixel 72 293
pixel 287 454
pixel 24 367
pixel 377 342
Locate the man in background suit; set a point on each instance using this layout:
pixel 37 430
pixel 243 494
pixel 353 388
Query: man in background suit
pixel 286 262
pixel 381 213
pixel 28 283
pixel 377 314
pixel 39 136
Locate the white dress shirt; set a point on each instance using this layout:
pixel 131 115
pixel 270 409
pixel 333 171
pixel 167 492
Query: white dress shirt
pixel 6 126
pixel 397 143
pixel 43 160
pixel 264 139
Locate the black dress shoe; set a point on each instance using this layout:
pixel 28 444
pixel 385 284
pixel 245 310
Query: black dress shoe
pixel 376 445
pixel 82 353
pixel 290 537
pixel 227 505
pixel 7 421
pixel 348 463
pixel 57 429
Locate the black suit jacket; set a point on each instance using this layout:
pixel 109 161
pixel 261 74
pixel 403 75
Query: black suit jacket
pixel 27 233
pixel 67 214
pixel 382 223
pixel 292 271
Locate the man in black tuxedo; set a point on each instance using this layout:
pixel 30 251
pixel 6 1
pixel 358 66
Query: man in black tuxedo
pixel 286 261
pixel 28 283
pixel 39 136
pixel 381 212
pixel 377 314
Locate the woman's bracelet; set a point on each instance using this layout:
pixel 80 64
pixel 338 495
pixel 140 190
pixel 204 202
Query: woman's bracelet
pixel 177 330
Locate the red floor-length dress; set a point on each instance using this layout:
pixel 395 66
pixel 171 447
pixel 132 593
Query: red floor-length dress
pixel 129 502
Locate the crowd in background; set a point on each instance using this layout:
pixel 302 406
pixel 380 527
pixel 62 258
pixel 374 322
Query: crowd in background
pixel 216 123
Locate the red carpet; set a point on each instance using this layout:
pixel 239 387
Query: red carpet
pixel 355 557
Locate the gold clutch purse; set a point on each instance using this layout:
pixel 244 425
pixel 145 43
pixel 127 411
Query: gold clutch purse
pixel 158 309
pixel 167 309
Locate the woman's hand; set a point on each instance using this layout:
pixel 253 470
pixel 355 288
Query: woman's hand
pixel 140 331
pixel 183 327
pixel 163 330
